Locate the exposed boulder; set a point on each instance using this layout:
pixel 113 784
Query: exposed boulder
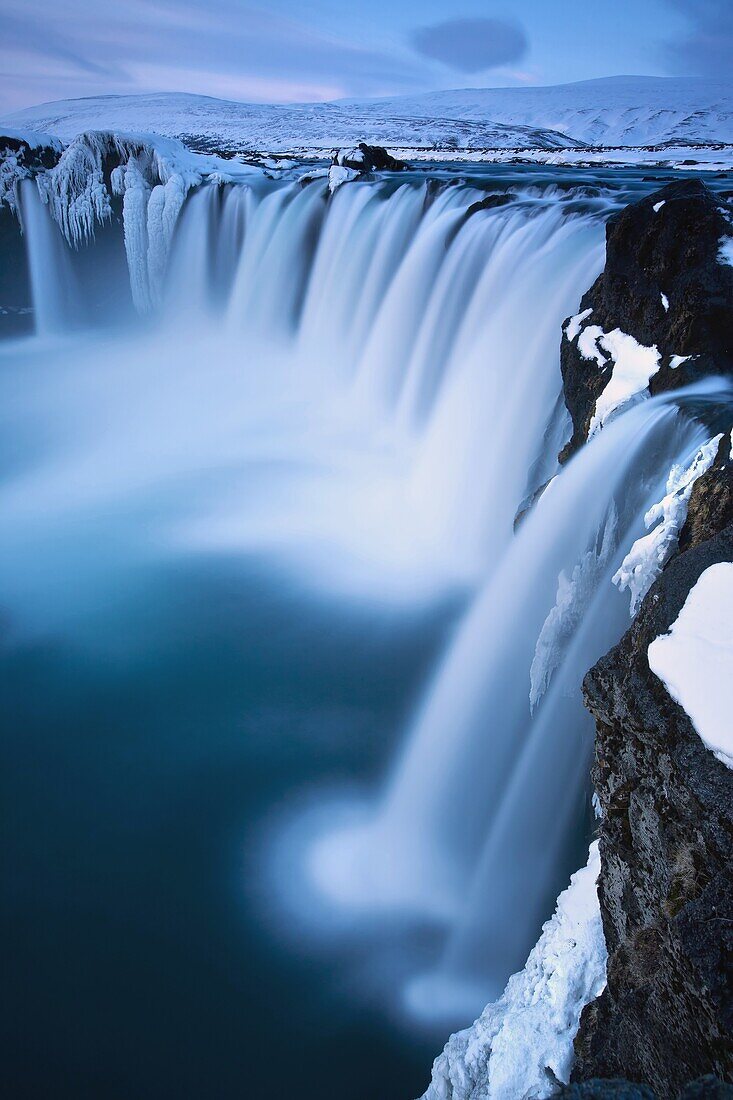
pixel 368 158
pixel 664 301
pixel 350 164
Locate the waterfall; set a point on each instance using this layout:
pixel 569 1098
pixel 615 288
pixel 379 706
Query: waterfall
pixel 55 303
pixel 379 377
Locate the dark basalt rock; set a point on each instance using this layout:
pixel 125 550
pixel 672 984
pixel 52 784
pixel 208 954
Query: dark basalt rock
pixel 613 1089
pixel 666 835
pixel 671 251
pixel 706 1088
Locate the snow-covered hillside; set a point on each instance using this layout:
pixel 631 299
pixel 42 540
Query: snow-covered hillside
pixel 616 111
pixel 216 123
pixel 619 110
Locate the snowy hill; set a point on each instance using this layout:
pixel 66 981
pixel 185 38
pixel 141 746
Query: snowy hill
pixel 207 123
pixel 617 111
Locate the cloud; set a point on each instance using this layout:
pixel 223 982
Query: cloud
pixel 471 45
pixel 213 46
pixel 707 48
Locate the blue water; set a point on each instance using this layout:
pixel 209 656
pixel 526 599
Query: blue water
pixel 138 776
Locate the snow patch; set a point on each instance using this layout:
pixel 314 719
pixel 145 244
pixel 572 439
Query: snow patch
pixel 647 557
pixel 725 251
pixel 575 324
pixel 678 360
pixel 694 660
pixel 658 206
pixel 665 302
pixel 337 175
pixel 522 1044
pixel 634 367
pixel 588 344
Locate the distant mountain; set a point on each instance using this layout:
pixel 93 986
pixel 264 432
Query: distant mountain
pixel 616 110
pixel 628 111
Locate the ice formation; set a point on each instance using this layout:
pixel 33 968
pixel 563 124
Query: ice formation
pixel 522 1045
pixel 14 145
pixel 694 660
pixel 152 174
pixel 573 597
pixel 646 558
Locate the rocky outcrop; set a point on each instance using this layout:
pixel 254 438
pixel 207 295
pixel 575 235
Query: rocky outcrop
pixel 367 158
pixel 351 164
pixel 666 885
pixel 663 285
pixel 663 1028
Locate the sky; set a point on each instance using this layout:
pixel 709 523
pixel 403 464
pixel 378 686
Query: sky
pixel 291 51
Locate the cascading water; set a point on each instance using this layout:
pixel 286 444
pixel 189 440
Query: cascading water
pixel 359 393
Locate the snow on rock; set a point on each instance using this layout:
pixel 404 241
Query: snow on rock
pixel 665 303
pixel 725 252
pixel 588 344
pixel 678 360
pixel 522 1045
pixel 633 367
pixel 574 325
pixel 694 660
pixel 573 597
pixel 338 174
pixel 658 206
pixel 152 174
pixel 646 558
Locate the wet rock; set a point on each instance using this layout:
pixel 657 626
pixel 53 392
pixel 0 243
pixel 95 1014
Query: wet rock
pixel 499 198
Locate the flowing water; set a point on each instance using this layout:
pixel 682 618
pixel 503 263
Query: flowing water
pixel 279 809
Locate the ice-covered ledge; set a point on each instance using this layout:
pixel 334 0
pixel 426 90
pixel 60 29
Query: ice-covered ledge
pixel 522 1045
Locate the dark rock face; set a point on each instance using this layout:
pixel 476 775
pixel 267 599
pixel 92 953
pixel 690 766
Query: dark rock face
pixel 672 250
pixel 706 1088
pixel 613 1089
pixel 666 885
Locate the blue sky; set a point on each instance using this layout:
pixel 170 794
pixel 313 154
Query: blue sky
pixel 285 51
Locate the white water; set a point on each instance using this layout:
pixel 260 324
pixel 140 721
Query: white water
pixel 364 389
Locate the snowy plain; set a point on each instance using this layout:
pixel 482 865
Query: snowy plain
pixel 586 122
